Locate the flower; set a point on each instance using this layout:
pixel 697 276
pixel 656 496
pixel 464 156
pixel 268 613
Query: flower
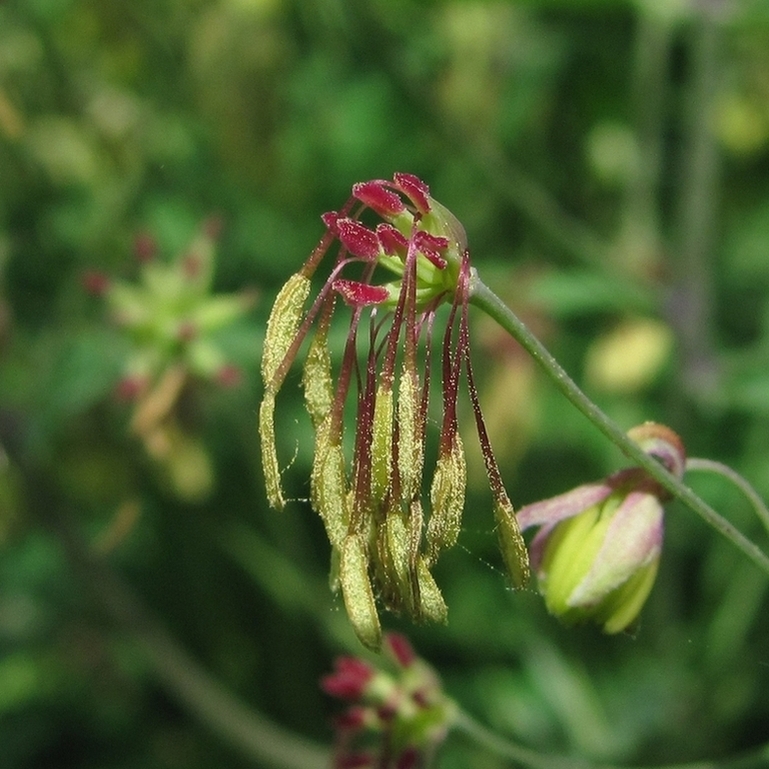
pixel 385 536
pixel 394 720
pixel 598 547
pixel 170 319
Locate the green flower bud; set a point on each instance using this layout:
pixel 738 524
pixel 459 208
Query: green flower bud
pixel 598 548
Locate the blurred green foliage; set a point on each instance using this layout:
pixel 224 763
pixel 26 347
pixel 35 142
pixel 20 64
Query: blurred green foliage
pixel 610 161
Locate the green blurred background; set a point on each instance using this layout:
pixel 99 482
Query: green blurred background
pixel 610 162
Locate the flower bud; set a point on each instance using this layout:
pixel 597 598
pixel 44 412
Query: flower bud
pixel 396 717
pixel 598 548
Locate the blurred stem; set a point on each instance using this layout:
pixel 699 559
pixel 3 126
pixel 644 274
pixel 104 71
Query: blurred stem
pixel 693 308
pixel 197 691
pixel 640 237
pixel 520 755
pixel 487 301
pixel 711 466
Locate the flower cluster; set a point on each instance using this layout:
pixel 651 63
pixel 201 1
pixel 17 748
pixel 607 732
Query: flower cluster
pixel 598 548
pixel 393 721
pixel 385 537
pixel 170 319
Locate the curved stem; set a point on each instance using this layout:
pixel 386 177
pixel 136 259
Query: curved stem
pixel 711 466
pixel 523 756
pixel 486 300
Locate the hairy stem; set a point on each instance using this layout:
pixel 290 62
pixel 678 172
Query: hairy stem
pixel 487 301
pixel 711 466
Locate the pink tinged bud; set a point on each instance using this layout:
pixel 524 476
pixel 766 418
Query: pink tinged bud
pixel 392 240
pixel 400 649
pixel 551 511
pixel 633 540
pixel 358 294
pixel 358 239
pixel 349 680
pixel 377 197
pixel 95 282
pixel 415 189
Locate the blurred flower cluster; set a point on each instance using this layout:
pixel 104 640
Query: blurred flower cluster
pixel 170 318
pixel 395 720
pixel 384 538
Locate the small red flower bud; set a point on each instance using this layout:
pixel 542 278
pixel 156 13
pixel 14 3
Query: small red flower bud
pixel 358 239
pixel 376 196
pixel 95 282
pixel 358 294
pixel 415 189
pixel 349 679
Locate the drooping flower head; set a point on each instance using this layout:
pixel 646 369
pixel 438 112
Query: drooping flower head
pixel 396 719
pixel 385 536
pixel 598 546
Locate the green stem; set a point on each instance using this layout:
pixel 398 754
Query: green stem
pixel 523 756
pixel 711 466
pixel 487 301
